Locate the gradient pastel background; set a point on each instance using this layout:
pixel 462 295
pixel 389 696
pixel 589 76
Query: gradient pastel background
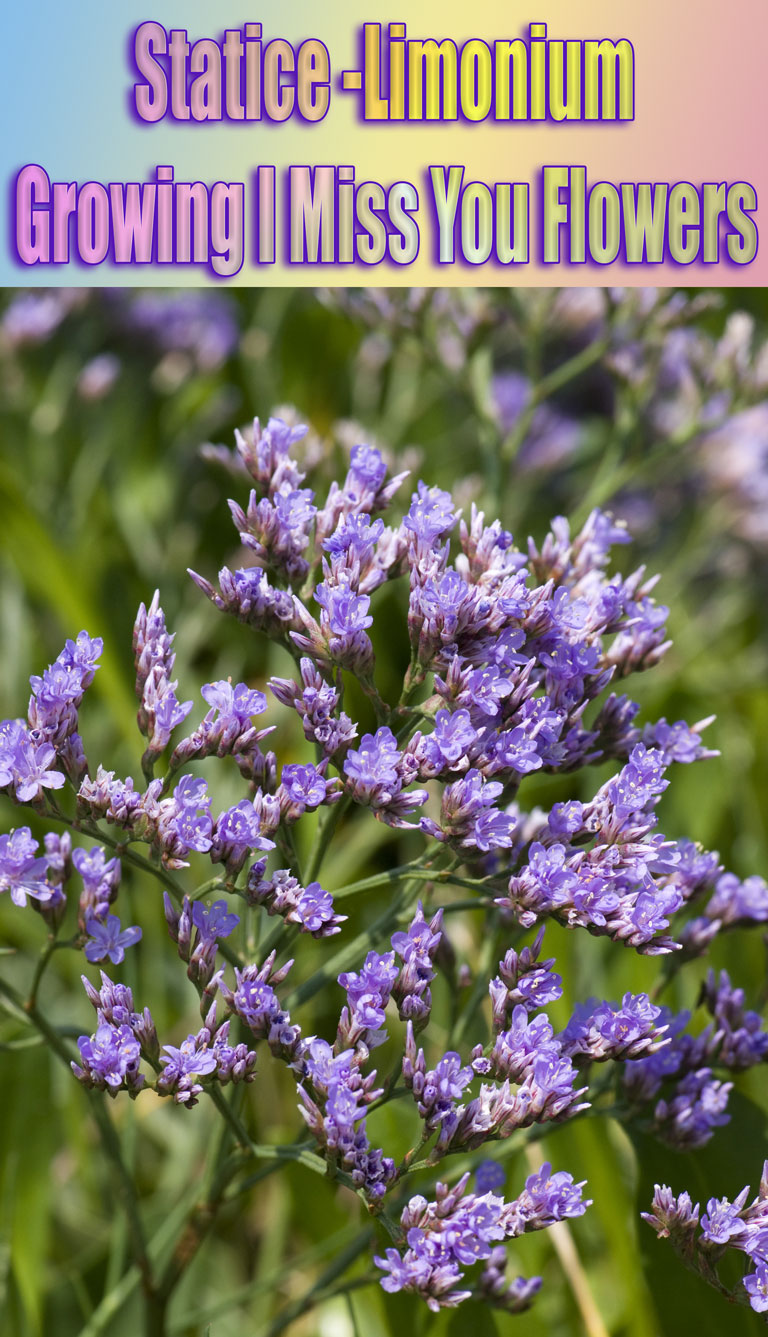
pixel 701 111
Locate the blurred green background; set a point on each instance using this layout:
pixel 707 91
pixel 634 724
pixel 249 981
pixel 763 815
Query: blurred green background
pixel 105 399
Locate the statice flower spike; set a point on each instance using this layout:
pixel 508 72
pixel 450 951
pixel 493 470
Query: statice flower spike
pixel 159 710
pixel 227 728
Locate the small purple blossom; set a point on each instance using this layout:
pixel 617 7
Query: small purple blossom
pixel 106 939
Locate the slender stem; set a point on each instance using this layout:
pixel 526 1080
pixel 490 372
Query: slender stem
pixel 323 837
pixel 320 1290
pixel 413 870
pixel 42 964
pixel 202 1216
pixel 548 385
pixel 293 1152
pixel 109 1138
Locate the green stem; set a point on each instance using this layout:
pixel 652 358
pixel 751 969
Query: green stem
pixel 109 1138
pixel 296 1152
pixel 323 837
pixel 46 953
pixel 415 871
pixel 320 1290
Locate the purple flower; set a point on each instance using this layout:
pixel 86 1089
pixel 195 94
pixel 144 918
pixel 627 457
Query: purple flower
pixel 315 703
pixel 550 1197
pixel 431 514
pixel 21 872
pixel 722 1220
pixel 214 921
pixel 110 1059
pixel 756 1286
pixel 107 939
pixel 303 788
pixel 315 912
pixel 376 774
pixel 238 831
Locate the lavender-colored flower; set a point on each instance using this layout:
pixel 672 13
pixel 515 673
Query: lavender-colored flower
pixel 248 596
pixel 277 529
pixel 368 992
pixel 28 764
pixel 756 1286
pixel 21 871
pixel 468 817
pixel 416 949
pixel 182 1067
pixel 459 1228
pixel 316 703
pixel 340 636
pixel 376 773
pixel 304 788
pixel 110 1059
pixel 549 1197
pixel 431 514
pixel 598 1031
pixel 107 939
pixel 722 1220
pixel 213 921
pixel 315 914
pixel 239 830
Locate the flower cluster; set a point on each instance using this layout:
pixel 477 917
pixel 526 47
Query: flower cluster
pixel 31 752
pixel 703 1242
pixel 311 908
pixel 508 652
pixel 459 1229
pixel 695 1100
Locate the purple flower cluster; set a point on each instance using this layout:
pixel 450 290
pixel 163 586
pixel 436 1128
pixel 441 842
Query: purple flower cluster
pixel 29 752
pixel 335 1113
pixel 509 651
pixel 206 1054
pixel 304 788
pixel 598 1031
pixel 227 729
pixel 694 1100
pixel 110 1059
pixel 368 992
pixel 248 596
pixel 703 1242
pixel 524 980
pixel 181 822
pixel 377 773
pixel 623 885
pixel 316 703
pixel 527 1055
pixel 416 948
pixel 159 710
pixel 197 929
pixel 311 907
pixel 22 872
pixel 459 1229
pixel 255 1002
pixel 277 528
pixel 101 879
